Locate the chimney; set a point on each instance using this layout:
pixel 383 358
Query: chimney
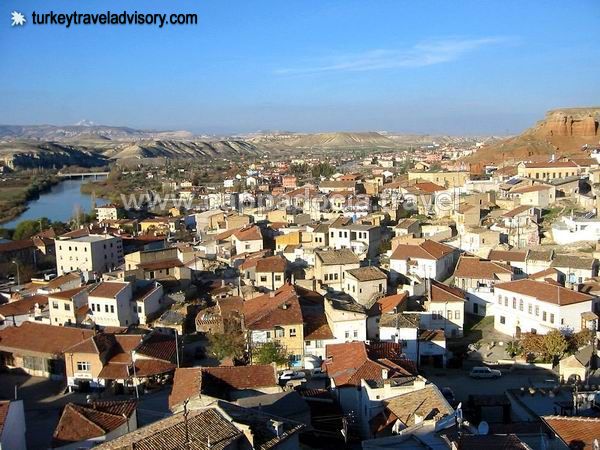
pixel 276 427
pixel 384 374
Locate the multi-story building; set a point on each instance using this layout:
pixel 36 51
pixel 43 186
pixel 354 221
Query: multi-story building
pixel 347 320
pixel 365 284
pixel 68 307
pixel 120 304
pixel 445 306
pixel 548 170
pixel 107 212
pixel 92 255
pixel 525 305
pixel 330 266
pixel 276 316
pixel 424 258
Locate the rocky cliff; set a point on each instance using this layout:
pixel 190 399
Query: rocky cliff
pixel 562 132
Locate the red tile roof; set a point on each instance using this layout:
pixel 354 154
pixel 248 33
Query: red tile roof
pixel 281 307
pixel 24 306
pixel 191 382
pixel 388 304
pixel 271 264
pixel 82 422
pixel 108 289
pixel 347 364
pixel 32 337
pixel 575 432
pixel 427 249
pixel 439 292
pixel 163 264
pixel 4 405
pixel 251 233
pixel 507 255
pixel 68 294
pixel 480 269
pixel 544 291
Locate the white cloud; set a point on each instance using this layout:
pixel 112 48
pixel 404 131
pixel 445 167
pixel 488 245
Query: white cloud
pixel 422 54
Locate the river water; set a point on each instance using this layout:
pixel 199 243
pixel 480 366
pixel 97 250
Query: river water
pixel 57 204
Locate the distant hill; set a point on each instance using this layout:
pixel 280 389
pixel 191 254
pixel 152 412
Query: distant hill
pixel 83 131
pixel 324 140
pixel 562 132
pixel 29 154
pixel 179 149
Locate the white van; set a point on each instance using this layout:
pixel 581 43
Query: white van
pixel 484 372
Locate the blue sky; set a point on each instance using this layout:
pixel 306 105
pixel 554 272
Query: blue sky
pixel 439 66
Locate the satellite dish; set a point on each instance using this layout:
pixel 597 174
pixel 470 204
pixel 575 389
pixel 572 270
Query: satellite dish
pixel 483 428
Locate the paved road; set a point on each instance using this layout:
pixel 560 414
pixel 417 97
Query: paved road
pixel 463 385
pixel 44 400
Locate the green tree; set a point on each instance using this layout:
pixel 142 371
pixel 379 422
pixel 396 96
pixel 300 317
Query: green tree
pixel 513 348
pixel 271 352
pixel 28 228
pixel 229 344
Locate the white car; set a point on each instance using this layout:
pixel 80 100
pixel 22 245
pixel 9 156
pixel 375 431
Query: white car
pixel 484 372
pixel 288 375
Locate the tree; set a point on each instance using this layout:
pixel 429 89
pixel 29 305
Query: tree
pixel 532 344
pixel 555 345
pixel 229 344
pixel 513 348
pixel 271 352
pixel 28 228
pixel 581 339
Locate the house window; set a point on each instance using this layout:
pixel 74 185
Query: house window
pixel 544 316
pixel 506 301
pixel 335 276
pixel 457 315
pixel 347 334
pixel 268 333
pixel 319 344
pixel 292 332
pixel 105 308
pixel 500 300
pixel 551 318
pixel 277 277
pixel 55 305
pixel 263 279
pixel 279 332
pixel 449 315
pixel 307 343
pixel 537 311
pixel 514 303
pixel 502 320
pixel 83 366
pixel 521 305
pixel 356 333
pixel 67 307
pixel 529 309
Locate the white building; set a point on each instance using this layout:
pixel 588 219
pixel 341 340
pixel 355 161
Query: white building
pixel 120 304
pixel 365 284
pixel 347 320
pixel 423 258
pixel 525 306
pixel 107 212
pixel 93 254
pixel 567 230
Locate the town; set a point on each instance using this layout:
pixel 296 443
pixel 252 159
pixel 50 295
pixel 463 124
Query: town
pixel 399 299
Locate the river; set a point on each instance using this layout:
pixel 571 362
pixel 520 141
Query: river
pixel 57 204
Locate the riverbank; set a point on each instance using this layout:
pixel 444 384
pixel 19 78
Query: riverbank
pixel 16 192
pixel 113 187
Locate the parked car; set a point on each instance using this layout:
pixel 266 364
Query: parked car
pixel 288 375
pixel 484 372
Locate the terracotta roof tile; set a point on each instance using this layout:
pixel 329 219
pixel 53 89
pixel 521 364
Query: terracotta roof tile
pixel 507 255
pixel 439 292
pixel 108 289
pixel 575 432
pixel 427 249
pixel 251 233
pixel 369 273
pixel 271 264
pixel 208 429
pixel 82 422
pixel 281 307
pixel 544 291
pixel 40 338
pixel 428 403
pixel 388 304
pixel 23 306
pixel 480 269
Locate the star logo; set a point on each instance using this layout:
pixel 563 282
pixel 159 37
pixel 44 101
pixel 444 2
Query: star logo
pixel 17 19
